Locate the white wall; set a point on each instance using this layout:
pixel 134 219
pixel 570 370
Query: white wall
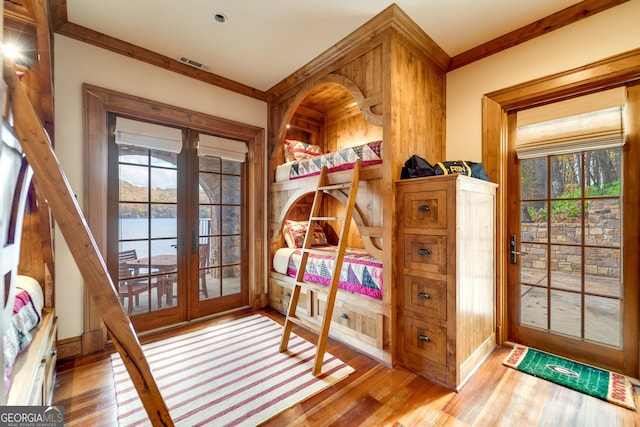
pixel 606 34
pixel 77 63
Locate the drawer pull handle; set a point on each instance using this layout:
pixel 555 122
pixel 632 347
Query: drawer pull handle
pixel 287 294
pixel 424 208
pixel 424 338
pixel 424 251
pixel 344 315
pixel 424 295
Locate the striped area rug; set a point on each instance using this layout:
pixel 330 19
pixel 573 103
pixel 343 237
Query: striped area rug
pixel 230 374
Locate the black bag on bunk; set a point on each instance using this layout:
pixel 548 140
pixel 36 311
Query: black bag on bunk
pixel 416 167
pixel 462 167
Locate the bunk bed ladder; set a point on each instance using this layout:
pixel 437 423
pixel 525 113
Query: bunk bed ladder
pixel 322 329
pixel 53 183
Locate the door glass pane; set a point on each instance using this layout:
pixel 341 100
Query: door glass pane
pixel 566 267
pixel 608 165
pixel 533 178
pixel 566 176
pixel 533 222
pixel 231 276
pixel 566 221
pixel 603 222
pixel 602 321
pixel 533 306
pixel 566 313
pixel 533 265
pixel 603 271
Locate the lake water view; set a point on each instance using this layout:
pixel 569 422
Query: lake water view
pixel 163 233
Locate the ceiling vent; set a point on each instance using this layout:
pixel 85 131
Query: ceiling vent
pixel 193 63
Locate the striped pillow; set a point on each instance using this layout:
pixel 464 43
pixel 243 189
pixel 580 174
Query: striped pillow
pixel 298 150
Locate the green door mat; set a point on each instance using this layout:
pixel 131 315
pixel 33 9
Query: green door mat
pixel 610 386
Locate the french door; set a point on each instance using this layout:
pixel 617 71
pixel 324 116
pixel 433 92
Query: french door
pixel 572 276
pixel 219 282
pixel 176 225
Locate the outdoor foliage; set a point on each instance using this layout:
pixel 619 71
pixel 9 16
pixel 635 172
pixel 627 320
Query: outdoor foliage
pixel 601 170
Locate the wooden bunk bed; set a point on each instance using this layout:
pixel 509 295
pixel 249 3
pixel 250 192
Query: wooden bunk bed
pixel 384 82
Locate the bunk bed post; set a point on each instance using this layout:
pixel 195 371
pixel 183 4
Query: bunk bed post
pixel 56 189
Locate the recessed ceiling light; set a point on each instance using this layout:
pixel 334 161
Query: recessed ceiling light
pixel 220 18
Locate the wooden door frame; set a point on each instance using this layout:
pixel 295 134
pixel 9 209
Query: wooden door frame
pixel 614 71
pixel 97 103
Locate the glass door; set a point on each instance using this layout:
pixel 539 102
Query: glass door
pixel 570 246
pixel 570 290
pixel 176 223
pixel 143 216
pixel 221 282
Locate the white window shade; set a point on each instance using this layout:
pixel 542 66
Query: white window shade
pixel 591 122
pixel 215 146
pixel 148 135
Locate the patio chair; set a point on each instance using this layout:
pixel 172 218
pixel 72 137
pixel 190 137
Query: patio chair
pixel 129 287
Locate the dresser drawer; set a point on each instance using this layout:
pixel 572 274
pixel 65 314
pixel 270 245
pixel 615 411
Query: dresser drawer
pixel 355 321
pixel 426 296
pixel 280 297
pixel 426 340
pixel 425 209
pixel 425 253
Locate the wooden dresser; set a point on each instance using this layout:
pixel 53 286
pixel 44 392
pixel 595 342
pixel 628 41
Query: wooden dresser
pixel 446 276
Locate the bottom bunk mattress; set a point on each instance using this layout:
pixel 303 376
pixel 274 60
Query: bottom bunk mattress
pixel 361 273
pixel 27 313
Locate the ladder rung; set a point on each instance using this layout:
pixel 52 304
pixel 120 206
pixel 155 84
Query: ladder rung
pixel 312 326
pixel 321 289
pixel 329 251
pixel 335 186
pixel 312 286
pixel 326 218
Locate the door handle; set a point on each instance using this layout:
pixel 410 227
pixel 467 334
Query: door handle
pixel 513 241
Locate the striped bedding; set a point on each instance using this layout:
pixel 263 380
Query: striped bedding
pixel 361 273
pixel 370 153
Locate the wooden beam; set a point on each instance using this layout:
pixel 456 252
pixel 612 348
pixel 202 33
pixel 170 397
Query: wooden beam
pixel 45 65
pixel 57 13
pixel 56 189
pixel 567 16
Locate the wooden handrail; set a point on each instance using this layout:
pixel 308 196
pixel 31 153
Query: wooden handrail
pixel 53 183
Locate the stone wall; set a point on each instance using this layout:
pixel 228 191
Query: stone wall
pixel 602 236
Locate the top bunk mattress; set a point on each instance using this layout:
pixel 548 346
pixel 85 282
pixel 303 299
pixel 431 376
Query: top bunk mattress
pixel 370 153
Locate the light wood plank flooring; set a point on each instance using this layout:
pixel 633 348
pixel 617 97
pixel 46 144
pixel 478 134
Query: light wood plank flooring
pixel 376 395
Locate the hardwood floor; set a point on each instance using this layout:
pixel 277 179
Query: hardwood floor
pixel 375 395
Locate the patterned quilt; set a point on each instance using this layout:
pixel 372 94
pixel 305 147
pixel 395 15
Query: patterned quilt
pixel 370 153
pixel 361 273
pixel 26 315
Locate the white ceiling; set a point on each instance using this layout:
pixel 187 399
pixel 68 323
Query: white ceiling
pixel 266 40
